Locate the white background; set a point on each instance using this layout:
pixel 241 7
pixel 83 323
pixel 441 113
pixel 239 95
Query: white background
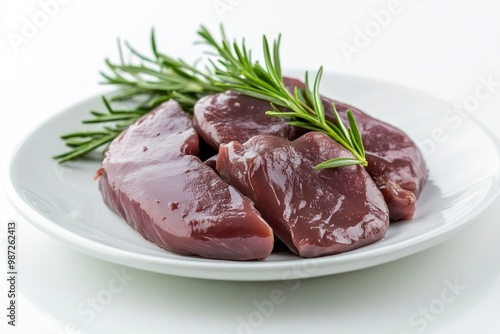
pixel 441 47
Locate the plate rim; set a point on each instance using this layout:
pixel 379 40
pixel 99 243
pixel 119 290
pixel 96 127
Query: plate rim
pixel 273 270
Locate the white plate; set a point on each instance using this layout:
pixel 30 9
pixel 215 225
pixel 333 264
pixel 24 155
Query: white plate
pixel 64 202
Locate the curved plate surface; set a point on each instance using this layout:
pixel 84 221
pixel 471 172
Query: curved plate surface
pixel 64 201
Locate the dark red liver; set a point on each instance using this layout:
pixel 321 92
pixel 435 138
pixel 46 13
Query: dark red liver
pixel 152 178
pixel 315 213
pixel 394 161
pixel 224 117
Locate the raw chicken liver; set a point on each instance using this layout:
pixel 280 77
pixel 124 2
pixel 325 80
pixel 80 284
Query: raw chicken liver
pixel 224 117
pixel 394 161
pixel 315 213
pixel 152 178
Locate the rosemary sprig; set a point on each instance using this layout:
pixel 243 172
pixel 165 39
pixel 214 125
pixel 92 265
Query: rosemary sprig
pixel 236 71
pixel 83 142
pixel 161 78
pixel 151 81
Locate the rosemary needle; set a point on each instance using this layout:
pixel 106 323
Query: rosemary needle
pixel 158 79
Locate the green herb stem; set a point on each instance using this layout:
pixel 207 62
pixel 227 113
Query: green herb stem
pixel 155 80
